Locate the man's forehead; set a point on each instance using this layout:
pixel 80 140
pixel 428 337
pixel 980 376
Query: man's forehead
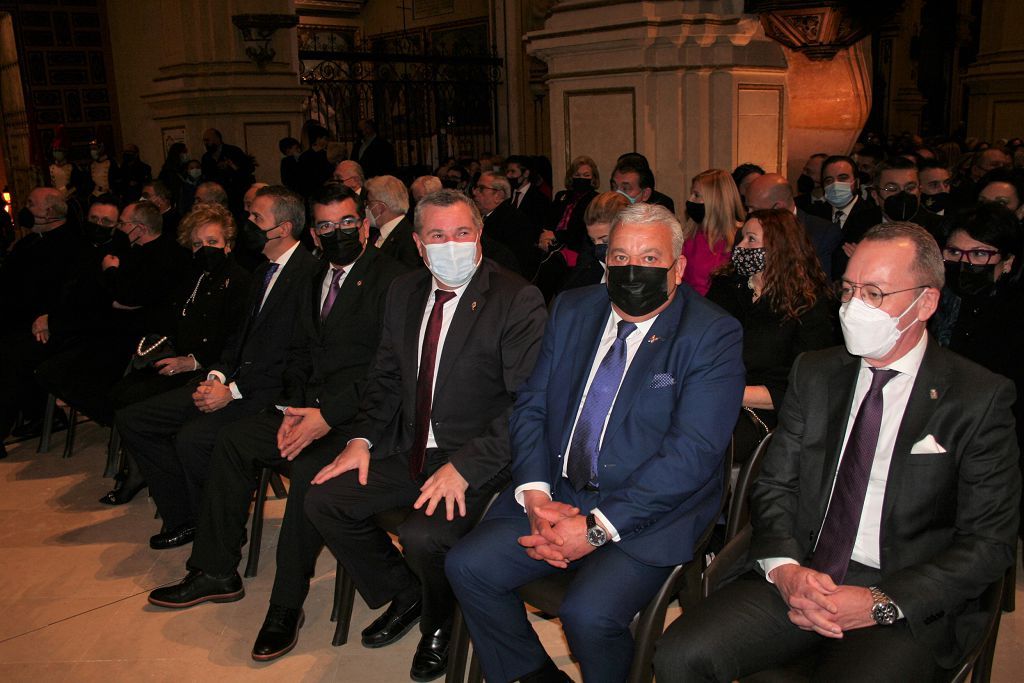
pixel 446 217
pixel 643 235
pixel 899 175
pixel 882 261
pixel 346 207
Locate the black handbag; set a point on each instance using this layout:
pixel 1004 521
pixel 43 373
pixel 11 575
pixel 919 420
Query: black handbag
pixel 151 348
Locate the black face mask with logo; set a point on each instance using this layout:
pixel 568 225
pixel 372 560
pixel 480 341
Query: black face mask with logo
pixel 637 290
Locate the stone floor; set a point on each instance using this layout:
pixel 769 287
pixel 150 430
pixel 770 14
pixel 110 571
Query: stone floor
pixel 75 576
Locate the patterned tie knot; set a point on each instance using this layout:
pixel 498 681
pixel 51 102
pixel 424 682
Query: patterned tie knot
pixel 337 273
pixel 879 378
pixel 273 268
pixel 625 329
pixel 442 296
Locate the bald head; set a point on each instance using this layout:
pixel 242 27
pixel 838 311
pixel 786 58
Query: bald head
pixel 49 210
pixel 250 195
pixel 770 191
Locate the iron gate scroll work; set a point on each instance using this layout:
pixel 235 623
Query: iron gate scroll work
pixel 430 100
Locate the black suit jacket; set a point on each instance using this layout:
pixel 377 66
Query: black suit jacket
pixel 824 235
pixel 328 361
pixel 536 206
pixel 378 159
pixel 863 216
pixel 949 520
pixel 489 351
pixel 256 355
pixel 400 246
pixel 34 273
pixel 514 229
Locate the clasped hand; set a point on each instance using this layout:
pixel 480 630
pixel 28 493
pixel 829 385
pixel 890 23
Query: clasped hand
pixel 300 427
pixel 211 396
pixel 558 531
pixel 817 604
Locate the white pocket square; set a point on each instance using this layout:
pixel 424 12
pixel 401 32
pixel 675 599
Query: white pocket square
pixel 927 445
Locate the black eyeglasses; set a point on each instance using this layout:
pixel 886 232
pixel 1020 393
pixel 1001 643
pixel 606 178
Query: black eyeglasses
pixel 346 223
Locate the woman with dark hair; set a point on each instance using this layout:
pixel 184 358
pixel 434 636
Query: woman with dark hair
pixel 775 287
pixel 208 307
pixel 1005 188
pixel 982 305
pixel 172 173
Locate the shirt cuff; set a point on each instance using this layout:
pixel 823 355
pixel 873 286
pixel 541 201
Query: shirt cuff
pixel 532 486
pixel 770 563
pixel 613 533
pixel 217 375
pixel 369 444
pixel 283 409
pixel 236 393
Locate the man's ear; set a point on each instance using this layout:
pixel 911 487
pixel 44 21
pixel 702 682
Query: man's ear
pixel 645 194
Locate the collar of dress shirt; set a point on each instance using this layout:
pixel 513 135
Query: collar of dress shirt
pixel 386 229
pixel 523 189
pixel 282 260
pixel 458 290
pixel 643 328
pixel 909 363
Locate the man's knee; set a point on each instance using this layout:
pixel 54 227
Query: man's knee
pixel 465 560
pixel 586 619
pixel 683 655
pixel 420 541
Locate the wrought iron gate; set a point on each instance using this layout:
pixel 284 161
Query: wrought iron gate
pixel 430 102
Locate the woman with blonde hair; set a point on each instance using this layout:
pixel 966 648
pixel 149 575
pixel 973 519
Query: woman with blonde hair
pixel 714 213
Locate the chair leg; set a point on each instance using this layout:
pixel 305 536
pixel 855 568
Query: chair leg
pixel 344 600
pixel 278 486
pixel 256 533
pixel 69 437
pixel 458 649
pixel 1010 588
pixel 115 457
pixel 476 675
pixel 44 437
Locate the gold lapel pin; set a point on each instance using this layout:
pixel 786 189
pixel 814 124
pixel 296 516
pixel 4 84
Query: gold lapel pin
pixel 653 338
pixel 933 394
pixel 359 283
pixel 472 306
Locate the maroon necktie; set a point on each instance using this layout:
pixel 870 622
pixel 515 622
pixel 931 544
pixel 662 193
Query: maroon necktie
pixel 332 294
pixel 425 382
pixel 839 532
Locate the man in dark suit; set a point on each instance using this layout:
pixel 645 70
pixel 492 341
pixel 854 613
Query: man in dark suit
pixel 886 504
pixel 617 439
pixel 772 191
pixel 432 430
pixel 337 334
pixel 373 153
pixel 157 193
pixel 226 165
pixel 897 191
pixel 505 223
pixel 844 208
pixel 172 435
pixel 526 196
pixel 387 203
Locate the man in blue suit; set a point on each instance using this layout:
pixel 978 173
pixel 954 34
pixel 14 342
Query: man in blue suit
pixel 617 445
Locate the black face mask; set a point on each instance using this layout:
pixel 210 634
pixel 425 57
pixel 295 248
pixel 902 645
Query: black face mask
pixel 341 247
pixel 637 290
pixel 966 279
pixel 120 243
pixel 582 185
pixel 26 219
pixel 211 148
pixel 254 237
pixel 900 207
pixel 210 258
pixel 515 182
pixel 935 202
pixel 695 211
pixel 98 234
pixel 864 177
pixel 601 252
pixel 129 158
pixel 805 184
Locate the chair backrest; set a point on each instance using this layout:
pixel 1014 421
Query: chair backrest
pixel 978 660
pixel 739 504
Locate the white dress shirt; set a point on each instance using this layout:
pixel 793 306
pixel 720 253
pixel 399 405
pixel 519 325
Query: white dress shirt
pixel 519 193
pixel 281 262
pixel 386 229
pixel 895 395
pixel 608 337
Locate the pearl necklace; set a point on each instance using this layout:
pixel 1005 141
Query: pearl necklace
pixel 142 352
pixel 195 290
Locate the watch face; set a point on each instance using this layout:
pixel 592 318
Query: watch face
pixel 596 536
pixel 884 613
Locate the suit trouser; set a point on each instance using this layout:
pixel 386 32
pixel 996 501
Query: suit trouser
pixel 342 510
pixel 609 588
pixel 242 449
pixel 172 442
pixel 84 371
pixel 744 628
pixel 20 353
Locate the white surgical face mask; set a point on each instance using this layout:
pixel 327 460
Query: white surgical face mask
pixel 871 332
pixel 452 263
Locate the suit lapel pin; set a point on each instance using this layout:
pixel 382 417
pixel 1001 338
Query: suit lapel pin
pixel 653 338
pixel 359 283
pixel 933 394
pixel 472 306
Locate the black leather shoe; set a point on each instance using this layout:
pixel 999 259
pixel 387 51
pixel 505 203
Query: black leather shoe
pixel 549 673
pixel 431 658
pixel 122 493
pixel 279 634
pixel 173 538
pixel 392 625
pixel 198 587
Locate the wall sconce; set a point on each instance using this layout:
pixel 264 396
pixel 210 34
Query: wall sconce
pixel 258 29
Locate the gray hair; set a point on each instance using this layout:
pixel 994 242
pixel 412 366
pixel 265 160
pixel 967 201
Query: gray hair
pixel 287 206
pixel 650 214
pixel 356 168
pixel 389 190
pixel 443 199
pixel 216 192
pixel 498 181
pixel 148 214
pixel 928 265
pixel 426 184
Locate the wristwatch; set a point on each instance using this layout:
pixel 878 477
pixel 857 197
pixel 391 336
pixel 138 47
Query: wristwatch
pixel 596 535
pixel 883 611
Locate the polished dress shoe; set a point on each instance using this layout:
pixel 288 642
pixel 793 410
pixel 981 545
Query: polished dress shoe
pixel 173 538
pixel 393 624
pixel 431 658
pixel 549 673
pixel 198 587
pixel 123 492
pixel 279 634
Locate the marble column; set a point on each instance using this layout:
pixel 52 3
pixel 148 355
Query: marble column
pixel 995 81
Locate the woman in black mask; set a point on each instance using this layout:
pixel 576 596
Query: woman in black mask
pixel 209 305
pixel 982 304
pixel 774 285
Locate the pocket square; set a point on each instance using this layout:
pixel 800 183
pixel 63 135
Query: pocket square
pixel 662 380
pixel 927 445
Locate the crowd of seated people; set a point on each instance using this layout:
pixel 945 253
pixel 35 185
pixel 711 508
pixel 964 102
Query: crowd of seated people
pixel 576 361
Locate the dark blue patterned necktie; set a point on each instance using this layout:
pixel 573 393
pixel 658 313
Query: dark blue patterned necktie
pixel 267 277
pixel 586 439
pixel 839 532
